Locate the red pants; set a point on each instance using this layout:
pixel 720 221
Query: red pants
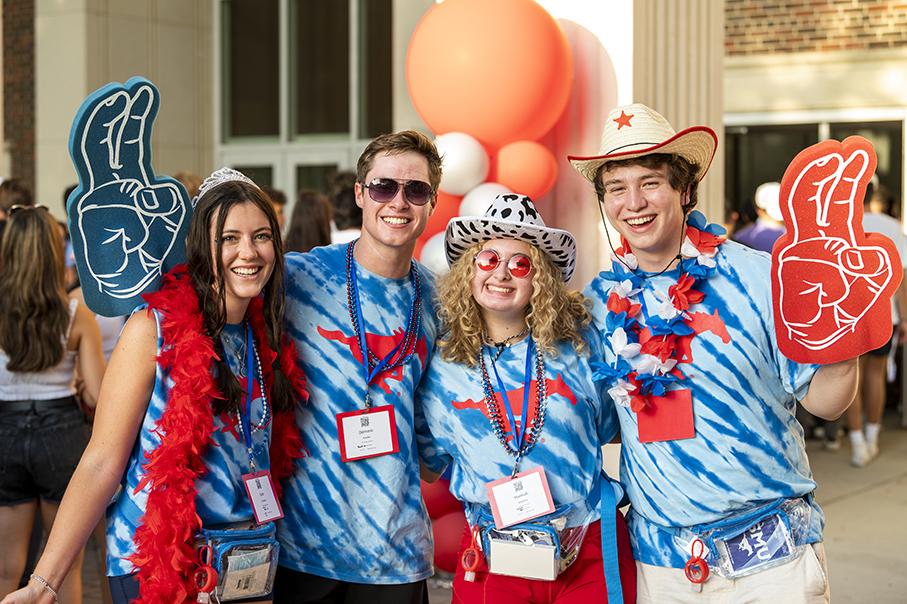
pixel 582 582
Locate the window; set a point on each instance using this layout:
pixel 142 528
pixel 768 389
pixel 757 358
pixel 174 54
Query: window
pixel 761 153
pixel 320 67
pixel 251 97
pixel 758 154
pixel 304 85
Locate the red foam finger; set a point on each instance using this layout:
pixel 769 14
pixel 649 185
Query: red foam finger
pixel 831 283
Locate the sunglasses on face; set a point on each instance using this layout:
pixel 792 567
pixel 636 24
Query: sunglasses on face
pixel 518 265
pixel 383 190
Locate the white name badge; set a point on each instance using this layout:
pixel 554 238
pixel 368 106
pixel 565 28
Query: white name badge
pixel 367 433
pixel 263 496
pixel 518 499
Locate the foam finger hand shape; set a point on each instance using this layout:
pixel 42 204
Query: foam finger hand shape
pixel 128 225
pixel 831 282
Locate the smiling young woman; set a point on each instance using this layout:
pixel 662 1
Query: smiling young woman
pixel 174 423
pixel 511 406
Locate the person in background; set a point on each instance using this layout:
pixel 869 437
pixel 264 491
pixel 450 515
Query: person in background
pixel 870 399
pixel 43 333
pixel 279 199
pixel 190 180
pixel 110 332
pixel 13 192
pixel 310 225
pixel 711 451
pixel 174 425
pixel 341 191
pixel 513 338
pixel 769 225
pixel 355 527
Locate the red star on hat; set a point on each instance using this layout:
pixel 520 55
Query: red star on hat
pixel 624 120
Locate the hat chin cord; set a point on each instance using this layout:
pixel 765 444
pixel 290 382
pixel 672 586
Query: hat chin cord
pixel 679 256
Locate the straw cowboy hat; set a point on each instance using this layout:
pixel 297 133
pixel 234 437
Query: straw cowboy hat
pixel 511 216
pixel 636 130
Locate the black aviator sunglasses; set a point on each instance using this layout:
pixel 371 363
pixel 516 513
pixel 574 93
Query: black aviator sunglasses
pixel 383 190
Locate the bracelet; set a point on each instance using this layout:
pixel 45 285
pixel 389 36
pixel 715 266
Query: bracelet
pixel 46 586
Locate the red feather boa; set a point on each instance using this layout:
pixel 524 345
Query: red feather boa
pixel 166 557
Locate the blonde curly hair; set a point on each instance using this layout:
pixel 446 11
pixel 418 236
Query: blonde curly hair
pixel 554 313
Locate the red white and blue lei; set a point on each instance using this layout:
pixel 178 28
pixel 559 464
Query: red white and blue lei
pixel 644 340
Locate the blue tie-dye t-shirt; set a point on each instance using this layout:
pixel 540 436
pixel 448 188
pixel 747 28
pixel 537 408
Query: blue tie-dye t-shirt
pixel 360 521
pixel 221 495
pixel 748 449
pixel 579 419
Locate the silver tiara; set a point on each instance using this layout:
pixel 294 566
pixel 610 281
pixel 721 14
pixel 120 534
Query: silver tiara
pixel 217 177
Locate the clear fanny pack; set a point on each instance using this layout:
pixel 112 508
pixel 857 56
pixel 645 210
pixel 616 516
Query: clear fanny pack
pixel 757 541
pixel 236 561
pixel 539 549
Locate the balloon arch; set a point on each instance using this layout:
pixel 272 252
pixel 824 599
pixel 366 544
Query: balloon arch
pixel 489 78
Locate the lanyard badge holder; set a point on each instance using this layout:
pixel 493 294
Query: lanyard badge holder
pixel 240 560
pixel 372 431
pixel 259 485
pixel 513 545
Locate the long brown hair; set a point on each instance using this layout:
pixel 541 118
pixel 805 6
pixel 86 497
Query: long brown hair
pixel 211 211
pixel 310 225
pixel 35 307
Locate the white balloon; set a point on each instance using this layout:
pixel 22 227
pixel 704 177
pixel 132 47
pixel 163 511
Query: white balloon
pixel 466 163
pixel 478 200
pixel 433 255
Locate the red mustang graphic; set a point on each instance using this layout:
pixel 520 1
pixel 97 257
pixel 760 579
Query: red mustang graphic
pixel 380 346
pixel 554 385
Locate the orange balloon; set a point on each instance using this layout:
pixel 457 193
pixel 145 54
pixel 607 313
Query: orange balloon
pixel 527 167
pixel 498 70
pixel 448 207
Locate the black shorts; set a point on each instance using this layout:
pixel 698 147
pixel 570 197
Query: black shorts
pixel 294 587
pixel 39 451
pixel 882 351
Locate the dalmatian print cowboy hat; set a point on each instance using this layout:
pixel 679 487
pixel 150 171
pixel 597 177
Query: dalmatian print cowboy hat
pixel 512 216
pixel 635 130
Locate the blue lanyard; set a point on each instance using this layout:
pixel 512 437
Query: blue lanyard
pixel 518 435
pixel 245 418
pixel 370 375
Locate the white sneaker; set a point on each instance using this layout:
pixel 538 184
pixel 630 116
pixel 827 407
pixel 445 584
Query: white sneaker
pixel 832 444
pixel 860 455
pixel 872 448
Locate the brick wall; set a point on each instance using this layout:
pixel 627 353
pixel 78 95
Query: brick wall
pixel 19 87
pixel 778 26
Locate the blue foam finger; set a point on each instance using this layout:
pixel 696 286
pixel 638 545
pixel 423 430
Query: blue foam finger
pixel 128 225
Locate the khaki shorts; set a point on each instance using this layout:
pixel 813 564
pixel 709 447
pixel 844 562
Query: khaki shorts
pixel 803 581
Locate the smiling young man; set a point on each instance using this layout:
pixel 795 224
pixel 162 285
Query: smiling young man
pixel 361 315
pixel 712 457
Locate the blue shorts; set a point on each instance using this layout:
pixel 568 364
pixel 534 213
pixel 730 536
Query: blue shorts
pixel 39 451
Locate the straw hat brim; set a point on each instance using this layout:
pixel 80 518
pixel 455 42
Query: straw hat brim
pixel 696 145
pixel 463 231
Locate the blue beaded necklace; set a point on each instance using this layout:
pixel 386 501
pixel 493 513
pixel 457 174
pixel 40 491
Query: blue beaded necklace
pixel 371 364
pixel 522 443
